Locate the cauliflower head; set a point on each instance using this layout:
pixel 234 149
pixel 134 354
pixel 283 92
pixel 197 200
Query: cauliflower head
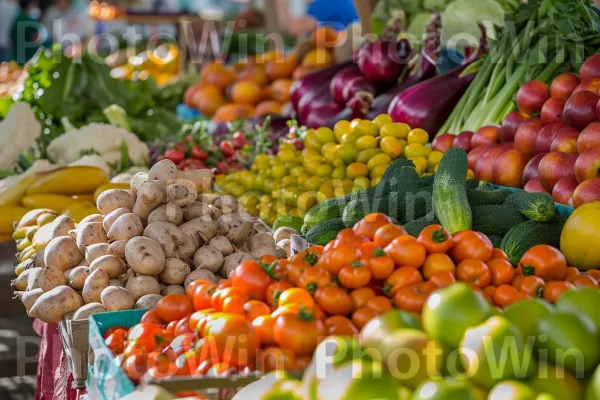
pixel 18 133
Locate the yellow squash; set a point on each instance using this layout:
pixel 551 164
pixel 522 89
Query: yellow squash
pixel 69 181
pixel 10 215
pixel 57 202
pixel 579 238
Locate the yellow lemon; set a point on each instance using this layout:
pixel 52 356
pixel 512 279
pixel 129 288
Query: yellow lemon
pixel 418 135
pixel 420 164
pixel 375 181
pixel 392 147
pixel 365 155
pixel 339 173
pixel 325 135
pixel 350 137
pixel 324 170
pixel 356 169
pixel 470 173
pixel 362 183
pixel 381 120
pixel 416 150
pixel 297 171
pixel 434 158
pixel 262 161
pixel 340 129
pixel 354 123
pixel 347 153
pixel 338 162
pixel 288 180
pixel 278 171
pixel 364 127
pixel 378 171
pixel 313 183
pixel 310 140
pixel 325 193
pixel 366 142
pixel 399 130
pixel 307 200
pixel 379 159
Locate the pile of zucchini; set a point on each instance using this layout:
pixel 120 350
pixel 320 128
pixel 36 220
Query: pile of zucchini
pixel 514 221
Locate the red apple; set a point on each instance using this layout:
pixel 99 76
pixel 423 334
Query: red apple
pixel 565 140
pixel 552 110
pixel 554 166
pixel 543 141
pixel 484 169
pixel 563 190
pixel 590 68
pixel 534 186
pixel 485 136
pixel 443 142
pixel 463 140
pixel 587 192
pixel 564 84
pixel 589 86
pixel 587 165
pixel 510 124
pixel 508 168
pixel 531 169
pixel 589 137
pixel 526 135
pixel 580 109
pixel 532 96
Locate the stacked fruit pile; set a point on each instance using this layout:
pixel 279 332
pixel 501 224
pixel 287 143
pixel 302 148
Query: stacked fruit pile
pixel 330 163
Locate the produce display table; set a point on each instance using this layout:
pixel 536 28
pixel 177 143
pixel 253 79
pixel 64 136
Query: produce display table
pixel 54 379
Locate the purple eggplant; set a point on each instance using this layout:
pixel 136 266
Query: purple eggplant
pixel 313 80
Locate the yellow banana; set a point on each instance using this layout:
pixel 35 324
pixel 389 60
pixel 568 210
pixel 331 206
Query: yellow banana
pixel 23 265
pixel 13 188
pixel 31 217
pixel 26 254
pixel 69 181
pixel 84 197
pixel 80 212
pixel 107 186
pixel 9 215
pixel 19 233
pixel 31 232
pixel 23 244
pixel 46 218
pixel 56 202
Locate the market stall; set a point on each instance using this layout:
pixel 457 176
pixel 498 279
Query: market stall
pixel 417 221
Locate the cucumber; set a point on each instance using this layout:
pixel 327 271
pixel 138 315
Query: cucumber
pixel 288 221
pixel 527 234
pixel 534 206
pixel 495 219
pixel 450 201
pixel 415 227
pixel 325 231
pixel 328 209
pixel 482 197
pixel 496 240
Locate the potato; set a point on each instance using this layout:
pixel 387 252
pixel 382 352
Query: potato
pixel 207 257
pixel 111 199
pixel 174 242
pixel 195 209
pixel 52 306
pixel 116 298
pixel 84 263
pixel 93 286
pixel 280 253
pixel 113 266
pixel 235 228
pixel 29 297
pixel 201 229
pixel 61 226
pixel 46 279
pixel 283 233
pixel 215 212
pixel 145 256
pixel 231 262
pixel 62 253
pixel 226 204
pixel 137 180
pixel 163 170
pixel 200 274
pixel 148 302
pixel 258 227
pixel 175 272
pixel 261 244
pixel 222 244
pixel 166 213
pixel 87 310
pixel 150 195
pixel 117 248
pixel 286 246
pixel 22 280
pixel 67 273
pixel 73 233
pixel 77 277
pixel 125 227
pixel 38 258
pixel 116 282
pixel 142 285
pixel 172 289
pixel 90 233
pixel 96 250
pixel 110 218
pixel 180 194
pixel 208 198
pixel 92 218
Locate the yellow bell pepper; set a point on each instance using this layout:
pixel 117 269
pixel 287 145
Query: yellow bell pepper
pixel 579 238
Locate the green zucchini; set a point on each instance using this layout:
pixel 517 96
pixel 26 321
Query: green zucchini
pixel 495 219
pixel 527 234
pixel 328 209
pixel 537 207
pixel 450 201
pixel 496 240
pixel 482 197
pixel 415 227
pixel 325 231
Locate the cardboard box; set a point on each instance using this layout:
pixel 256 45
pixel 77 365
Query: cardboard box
pixel 74 336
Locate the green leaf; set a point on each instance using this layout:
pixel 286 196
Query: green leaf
pixel 125 160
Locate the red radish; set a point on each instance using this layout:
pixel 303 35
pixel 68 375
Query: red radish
pixel 526 135
pixel 486 135
pixel 510 124
pixel 544 138
pixel 580 109
pixel 383 60
pixel 590 86
pixel 590 68
pixel 563 190
pixel 534 186
pixel 532 96
pixel 531 169
pixel 564 84
pixel 463 140
pixel 565 140
pixel 552 110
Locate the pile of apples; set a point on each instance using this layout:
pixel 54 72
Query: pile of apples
pixel 550 145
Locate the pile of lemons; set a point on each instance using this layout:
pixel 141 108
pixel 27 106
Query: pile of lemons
pixel 334 162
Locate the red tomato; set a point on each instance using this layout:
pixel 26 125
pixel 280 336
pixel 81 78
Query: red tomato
pixel 181 344
pixel 174 307
pixel 253 279
pixel 152 318
pixel 183 326
pixel 145 335
pixel 175 155
pixel 233 337
pixel 198 153
pixel 110 330
pixel 116 340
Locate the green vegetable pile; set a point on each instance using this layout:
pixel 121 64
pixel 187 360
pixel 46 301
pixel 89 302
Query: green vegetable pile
pixel 543 38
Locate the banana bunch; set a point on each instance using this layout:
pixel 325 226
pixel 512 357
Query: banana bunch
pixel 31 237
pixel 70 191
